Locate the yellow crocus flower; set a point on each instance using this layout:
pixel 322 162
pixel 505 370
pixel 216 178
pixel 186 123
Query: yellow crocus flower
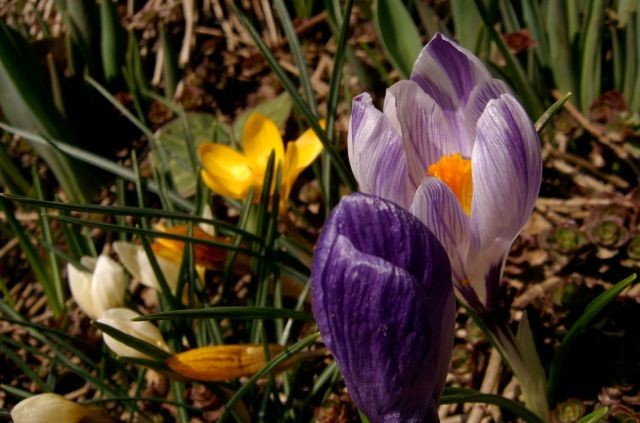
pixel 231 173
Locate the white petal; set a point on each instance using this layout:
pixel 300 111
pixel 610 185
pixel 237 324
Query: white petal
pixel 108 285
pixel 80 285
pixel 120 318
pixel 43 408
pixel 135 260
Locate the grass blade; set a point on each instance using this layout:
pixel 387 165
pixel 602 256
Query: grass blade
pixel 244 313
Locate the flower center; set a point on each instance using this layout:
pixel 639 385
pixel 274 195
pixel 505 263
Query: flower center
pixel 455 171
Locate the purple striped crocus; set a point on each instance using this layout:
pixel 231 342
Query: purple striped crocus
pixel 383 300
pixel 454 147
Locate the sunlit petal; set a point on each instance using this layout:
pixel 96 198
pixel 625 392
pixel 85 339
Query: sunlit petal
pixel 260 137
pixel 226 171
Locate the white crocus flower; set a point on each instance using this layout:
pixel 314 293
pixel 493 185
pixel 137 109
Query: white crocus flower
pixel 44 407
pixel 99 290
pixel 136 261
pixel 121 319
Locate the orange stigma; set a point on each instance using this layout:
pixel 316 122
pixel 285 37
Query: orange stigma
pixel 455 171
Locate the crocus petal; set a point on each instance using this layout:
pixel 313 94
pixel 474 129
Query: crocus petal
pixel 260 137
pixel 121 319
pixel 299 155
pixel 108 285
pixel 44 407
pixel 425 130
pixel 376 153
pixel 507 171
pixel 206 255
pixel 478 100
pixel 383 301
pixel 135 260
pixel 448 72
pixel 226 171
pixel 220 363
pixel 80 285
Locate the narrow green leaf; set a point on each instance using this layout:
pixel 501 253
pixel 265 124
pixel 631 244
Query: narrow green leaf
pixel 560 48
pixel 398 34
pixel 591 54
pixel 535 24
pixel 467 23
pixel 244 312
pixel 590 312
pixel 169 64
pixel 463 395
pixel 535 377
pixel 112 45
pixel 133 342
pixel 550 112
pixel 595 416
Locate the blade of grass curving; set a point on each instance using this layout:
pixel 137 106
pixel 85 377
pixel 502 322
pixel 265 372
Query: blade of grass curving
pixel 463 395
pixel 302 107
pixel 152 233
pixel 398 33
pixel 33 258
pixel 331 189
pixel 590 312
pixel 550 112
pixel 54 268
pixel 133 342
pixel 286 332
pixel 6 294
pixel 20 363
pixel 112 44
pixel 99 162
pixel 595 416
pixel 591 53
pixel 523 87
pixel 10 170
pixel 178 391
pixel 153 400
pixel 131 211
pixel 296 52
pixel 617 59
pixel 229 312
pixel 170 64
pixel 16 392
pixel 270 366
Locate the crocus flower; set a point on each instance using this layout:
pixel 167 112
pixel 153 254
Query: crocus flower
pixel 454 147
pixel 220 363
pixel 231 174
pixel 383 300
pixel 99 290
pixel 169 253
pixel 44 407
pixel 121 319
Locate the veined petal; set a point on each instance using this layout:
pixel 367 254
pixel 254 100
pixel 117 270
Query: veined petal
pixel 393 351
pixel 448 72
pixel 44 407
pixel 507 171
pixel 121 319
pixel 108 285
pixel 80 286
pixel 376 153
pixel 220 363
pixel 135 260
pixel 260 137
pixel 226 171
pixel 425 130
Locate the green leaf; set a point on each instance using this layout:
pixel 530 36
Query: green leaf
pixel 112 44
pixel 560 51
pixel 398 33
pixel 244 312
pixel 277 109
pixel 534 380
pixel 463 395
pixel 170 64
pixel 552 110
pixel 595 416
pixel 590 60
pixel 203 127
pixel 533 19
pixel 467 23
pixel 590 312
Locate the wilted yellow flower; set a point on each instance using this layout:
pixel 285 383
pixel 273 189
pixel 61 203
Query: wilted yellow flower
pixel 232 174
pixel 221 362
pixel 45 407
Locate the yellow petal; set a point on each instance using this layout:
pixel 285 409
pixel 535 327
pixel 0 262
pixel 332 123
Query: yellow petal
pixel 299 155
pixel 221 362
pixel 209 256
pixel 261 136
pixel 226 171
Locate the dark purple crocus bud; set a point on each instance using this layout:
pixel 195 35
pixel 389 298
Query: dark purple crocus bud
pixel 384 303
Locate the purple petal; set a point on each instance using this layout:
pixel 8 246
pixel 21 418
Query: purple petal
pixel 425 130
pixel 376 153
pixel 383 301
pixel 478 100
pixel 448 72
pixel 506 169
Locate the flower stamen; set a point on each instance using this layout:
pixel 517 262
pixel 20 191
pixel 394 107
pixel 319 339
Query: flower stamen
pixel 455 172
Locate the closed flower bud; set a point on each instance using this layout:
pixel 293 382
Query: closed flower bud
pixel 220 363
pixel 99 290
pixel 121 319
pixel 46 407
